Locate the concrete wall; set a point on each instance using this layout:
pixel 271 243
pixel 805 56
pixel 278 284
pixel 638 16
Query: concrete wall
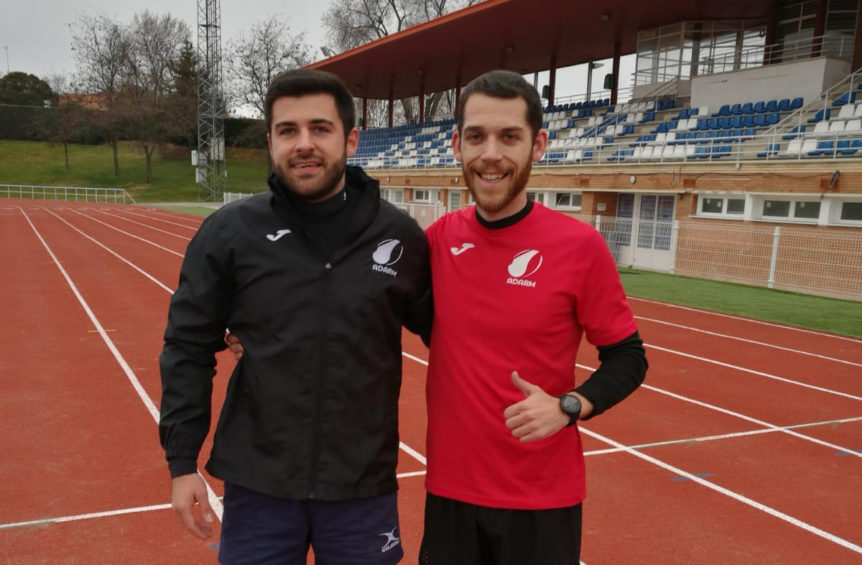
pixel 786 80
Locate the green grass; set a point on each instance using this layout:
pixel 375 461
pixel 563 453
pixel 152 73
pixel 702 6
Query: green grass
pixel 23 162
pixel 35 163
pixel 814 312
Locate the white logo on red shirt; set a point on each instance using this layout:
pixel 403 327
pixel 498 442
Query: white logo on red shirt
pixel 464 247
pixel 524 265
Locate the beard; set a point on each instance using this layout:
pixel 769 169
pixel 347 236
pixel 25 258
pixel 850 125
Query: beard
pixel 312 190
pixel 496 202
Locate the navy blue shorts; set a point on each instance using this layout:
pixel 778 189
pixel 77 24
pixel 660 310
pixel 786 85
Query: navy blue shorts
pixel 260 529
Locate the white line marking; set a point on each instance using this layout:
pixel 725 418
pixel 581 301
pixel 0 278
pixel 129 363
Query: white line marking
pixel 133 379
pixel 151 217
pixel 115 254
pixel 734 435
pixel 763 423
pixel 120 217
pixel 729 493
pixel 107 514
pixel 726 336
pixel 413 453
pixel 753 372
pixel 148 242
pixel 760 322
pixel 413 474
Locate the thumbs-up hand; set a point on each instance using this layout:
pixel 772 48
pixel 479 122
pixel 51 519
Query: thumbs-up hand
pixel 537 416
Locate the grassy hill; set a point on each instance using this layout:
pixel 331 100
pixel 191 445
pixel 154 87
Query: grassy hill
pixel 37 163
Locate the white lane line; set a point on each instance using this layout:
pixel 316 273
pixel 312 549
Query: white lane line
pixel 749 320
pixel 740 416
pixel 113 213
pixel 106 514
pixel 119 217
pixel 753 372
pixel 130 374
pixel 729 493
pixel 737 338
pixel 147 241
pixel 712 486
pixel 174 215
pixel 114 253
pixel 412 474
pixel 694 440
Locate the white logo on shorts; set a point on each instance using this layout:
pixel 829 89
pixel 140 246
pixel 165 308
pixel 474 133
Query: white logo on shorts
pixel 391 540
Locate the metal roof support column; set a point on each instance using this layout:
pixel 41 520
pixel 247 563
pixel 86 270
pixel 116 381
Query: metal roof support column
pixel 819 28
pixel 770 32
pixel 457 93
pixel 421 96
pixel 857 47
pixel 364 112
pixel 553 80
pixel 615 72
pixel 391 102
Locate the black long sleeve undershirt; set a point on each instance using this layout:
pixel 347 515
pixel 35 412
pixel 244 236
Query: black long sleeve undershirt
pixel 622 369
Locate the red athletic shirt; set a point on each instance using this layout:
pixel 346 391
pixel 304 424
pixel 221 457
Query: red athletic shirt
pixel 515 298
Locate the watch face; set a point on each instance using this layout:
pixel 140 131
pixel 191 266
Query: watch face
pixel 570 404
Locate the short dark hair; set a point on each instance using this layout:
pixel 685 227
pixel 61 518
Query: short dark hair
pixel 303 82
pixel 504 84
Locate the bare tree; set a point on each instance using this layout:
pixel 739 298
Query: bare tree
pixel 351 23
pixel 269 48
pixel 154 50
pixel 101 48
pixel 65 120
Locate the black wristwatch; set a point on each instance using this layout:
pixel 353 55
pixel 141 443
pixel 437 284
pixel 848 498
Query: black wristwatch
pixel 571 405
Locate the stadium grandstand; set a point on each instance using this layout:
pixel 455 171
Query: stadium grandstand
pixel 735 155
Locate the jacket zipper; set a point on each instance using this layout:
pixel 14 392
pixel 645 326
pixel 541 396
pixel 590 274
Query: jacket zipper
pixel 318 409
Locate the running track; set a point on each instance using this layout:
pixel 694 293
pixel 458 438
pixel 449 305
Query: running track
pixel 743 446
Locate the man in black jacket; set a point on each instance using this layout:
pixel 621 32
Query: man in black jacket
pixel 316 277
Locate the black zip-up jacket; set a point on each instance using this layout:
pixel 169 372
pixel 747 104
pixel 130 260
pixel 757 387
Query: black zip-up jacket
pixel 311 409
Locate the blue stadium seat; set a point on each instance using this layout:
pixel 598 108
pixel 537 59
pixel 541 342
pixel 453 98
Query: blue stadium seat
pixel 820 115
pixel 796 103
pixel 823 148
pixel 793 132
pixel 759 107
pixel 747 108
pixel 784 105
pixel 723 111
pixel 736 109
pixel 771 150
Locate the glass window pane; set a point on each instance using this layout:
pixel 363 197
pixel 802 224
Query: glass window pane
pixel 851 211
pixel 563 199
pixel 576 200
pixel 625 205
pixel 712 205
pixel 454 200
pixel 648 205
pixel 806 210
pixel 776 208
pixel 735 205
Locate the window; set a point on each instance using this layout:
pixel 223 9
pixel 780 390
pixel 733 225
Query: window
pixel 851 211
pixel 454 200
pixel 536 196
pixel 808 210
pixel 721 207
pixel 421 196
pixel 568 200
pixel 396 196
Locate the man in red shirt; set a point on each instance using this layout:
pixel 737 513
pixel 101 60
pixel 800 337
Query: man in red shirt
pixel 516 285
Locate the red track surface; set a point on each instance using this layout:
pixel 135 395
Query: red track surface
pixel 744 445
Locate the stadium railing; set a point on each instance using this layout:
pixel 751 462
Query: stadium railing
pixel 69 193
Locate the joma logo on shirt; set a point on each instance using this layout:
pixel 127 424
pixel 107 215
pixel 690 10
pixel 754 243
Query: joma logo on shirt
pixel 523 265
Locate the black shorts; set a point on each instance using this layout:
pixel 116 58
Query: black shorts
pixel 457 533
pixel 259 529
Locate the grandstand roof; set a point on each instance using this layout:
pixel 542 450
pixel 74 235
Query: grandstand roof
pixel 521 35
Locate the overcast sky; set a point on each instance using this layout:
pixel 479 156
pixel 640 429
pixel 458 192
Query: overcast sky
pixel 37 37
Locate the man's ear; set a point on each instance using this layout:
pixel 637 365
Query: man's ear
pixel 456 145
pixel 352 142
pixel 540 144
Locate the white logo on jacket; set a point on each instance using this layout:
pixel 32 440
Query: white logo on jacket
pixel 388 253
pixel 277 235
pixel 391 540
pixel 524 265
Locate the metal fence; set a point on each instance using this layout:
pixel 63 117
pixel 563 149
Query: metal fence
pixel 424 214
pixel 228 197
pixel 69 193
pixel 808 259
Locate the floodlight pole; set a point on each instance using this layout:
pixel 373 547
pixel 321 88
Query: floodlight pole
pixel 6 48
pixel 210 166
